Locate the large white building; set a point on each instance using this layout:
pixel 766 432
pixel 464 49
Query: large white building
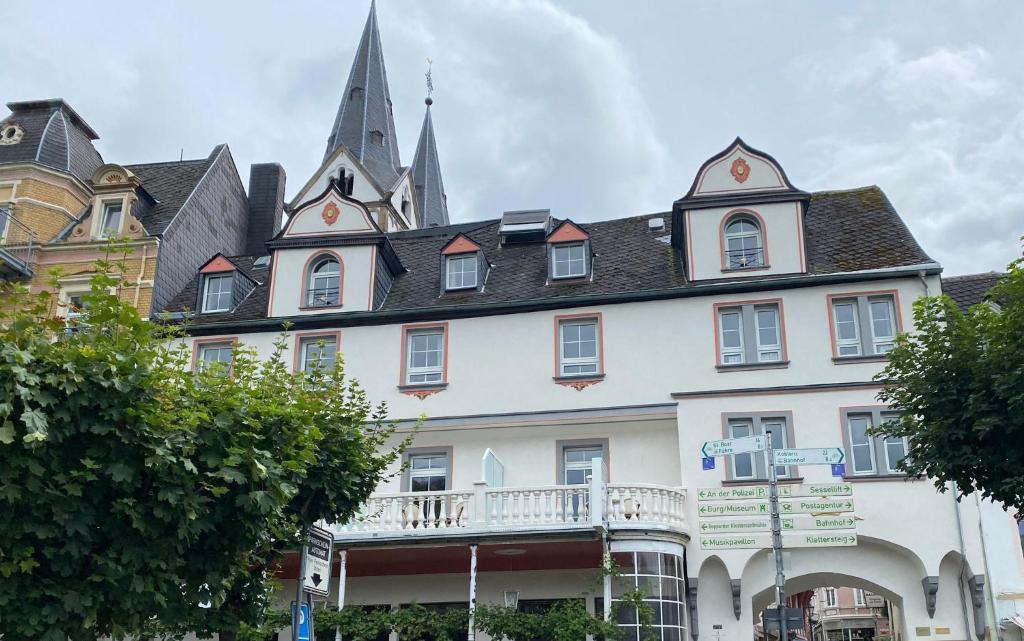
pixel 571 370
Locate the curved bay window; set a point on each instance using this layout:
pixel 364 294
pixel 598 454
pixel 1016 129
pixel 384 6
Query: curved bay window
pixel 744 243
pixel 660 577
pixel 323 288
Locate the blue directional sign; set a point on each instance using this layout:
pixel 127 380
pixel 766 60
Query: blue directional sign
pixel 708 462
pixel 839 469
pixel 302 623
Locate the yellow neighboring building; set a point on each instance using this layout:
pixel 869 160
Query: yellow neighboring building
pixel 60 203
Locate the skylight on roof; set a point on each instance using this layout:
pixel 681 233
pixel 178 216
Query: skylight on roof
pixel 262 261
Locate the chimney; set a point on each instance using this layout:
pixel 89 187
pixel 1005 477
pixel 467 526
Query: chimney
pixel 266 205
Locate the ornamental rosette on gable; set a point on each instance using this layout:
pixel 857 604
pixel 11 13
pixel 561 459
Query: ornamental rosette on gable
pixel 740 170
pixel 330 213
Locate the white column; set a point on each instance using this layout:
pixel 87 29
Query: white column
pixel 342 569
pixel 472 593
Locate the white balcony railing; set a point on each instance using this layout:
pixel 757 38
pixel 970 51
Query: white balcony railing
pixel 623 505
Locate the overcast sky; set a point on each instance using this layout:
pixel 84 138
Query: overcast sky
pixel 596 109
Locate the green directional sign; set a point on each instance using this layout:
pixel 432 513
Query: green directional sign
pixel 786 506
pixel 810 456
pixel 797 522
pixel 750 492
pixel 789 540
pixel 733 446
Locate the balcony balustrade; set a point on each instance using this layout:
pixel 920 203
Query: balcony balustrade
pixel 17 243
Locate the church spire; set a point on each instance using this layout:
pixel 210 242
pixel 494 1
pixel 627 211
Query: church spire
pixel 364 124
pixel 431 202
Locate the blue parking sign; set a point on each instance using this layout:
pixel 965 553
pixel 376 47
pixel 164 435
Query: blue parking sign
pixel 302 623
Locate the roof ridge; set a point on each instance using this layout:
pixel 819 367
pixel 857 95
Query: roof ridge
pixel 845 191
pixel 167 162
pixel 977 275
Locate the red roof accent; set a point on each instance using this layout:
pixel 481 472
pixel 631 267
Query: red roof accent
pixel 218 264
pixel 460 245
pixel 567 232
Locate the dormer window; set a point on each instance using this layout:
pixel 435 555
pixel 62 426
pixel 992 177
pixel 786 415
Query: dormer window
pixel 324 283
pixel 346 179
pixel 356 93
pixel 744 243
pixel 110 219
pixel 217 290
pixel 569 260
pixel 461 271
pixel 377 137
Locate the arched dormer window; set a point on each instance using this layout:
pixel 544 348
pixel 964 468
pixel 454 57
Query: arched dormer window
pixel 323 282
pixel 744 243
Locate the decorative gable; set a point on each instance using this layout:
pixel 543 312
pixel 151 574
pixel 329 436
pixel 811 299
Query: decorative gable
pixel 331 213
pixel 217 264
pixel 461 244
pixel 567 232
pixel 739 169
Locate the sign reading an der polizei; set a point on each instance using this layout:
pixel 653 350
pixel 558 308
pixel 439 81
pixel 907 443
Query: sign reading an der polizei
pixel 317 577
pixel 741 492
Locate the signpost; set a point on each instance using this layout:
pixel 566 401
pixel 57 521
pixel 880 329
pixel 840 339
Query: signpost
pixel 316 576
pixel 302 624
pixel 797 516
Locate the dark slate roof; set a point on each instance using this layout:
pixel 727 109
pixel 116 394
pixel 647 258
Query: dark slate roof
pixel 846 231
pixel 857 229
pixel 969 289
pixel 252 306
pixel 371 111
pixel 431 202
pixel 170 184
pixel 55 136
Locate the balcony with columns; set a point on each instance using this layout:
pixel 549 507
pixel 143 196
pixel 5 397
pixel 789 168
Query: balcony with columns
pixel 489 511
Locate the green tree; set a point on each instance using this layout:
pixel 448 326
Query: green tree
pixel 959 380
pixel 136 495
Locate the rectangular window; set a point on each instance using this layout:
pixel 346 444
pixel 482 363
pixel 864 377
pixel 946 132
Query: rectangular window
pixel 751 465
pixel 858 598
pixel 462 272
pixel 217 292
pixel 428 472
pixel 864 325
pixel 212 353
pixel 577 463
pixel 424 359
pixel 5 216
pixel 830 598
pixel 569 260
pixel 870 455
pixel 579 348
pixel 318 351
pixel 110 219
pixel 750 334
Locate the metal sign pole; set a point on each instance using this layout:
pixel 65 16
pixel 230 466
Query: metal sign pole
pixel 773 499
pixel 299 580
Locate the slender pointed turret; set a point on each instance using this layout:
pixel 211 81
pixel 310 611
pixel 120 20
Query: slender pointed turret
pixel 431 202
pixel 364 124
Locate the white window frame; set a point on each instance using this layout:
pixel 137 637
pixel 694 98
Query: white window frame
pixel 847 342
pixel 201 361
pixel 569 260
pixel 220 278
pixel 757 235
pixel 428 472
pixel 871 443
pixel 6 213
pixel 565 362
pixel 731 355
pixel 103 231
pixel 858 598
pixel 432 375
pixel 763 349
pixel 587 464
pixel 741 428
pixel 882 344
pixel 313 277
pixel 460 261
pixel 831 600
pixel 307 342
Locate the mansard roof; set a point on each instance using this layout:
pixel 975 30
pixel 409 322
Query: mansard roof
pixel 54 136
pixel 969 289
pixel 368 110
pixel 431 201
pixel 848 232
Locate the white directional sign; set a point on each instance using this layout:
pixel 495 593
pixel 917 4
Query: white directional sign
pixel 810 456
pixel 786 506
pixel 741 492
pixel 734 446
pixel 789 523
pixel 317 575
pixel 789 540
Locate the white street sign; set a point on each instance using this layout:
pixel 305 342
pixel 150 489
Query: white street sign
pixel 786 506
pixel 789 540
pixel 317 576
pixel 810 456
pixel 733 446
pixel 741 492
pixel 789 523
